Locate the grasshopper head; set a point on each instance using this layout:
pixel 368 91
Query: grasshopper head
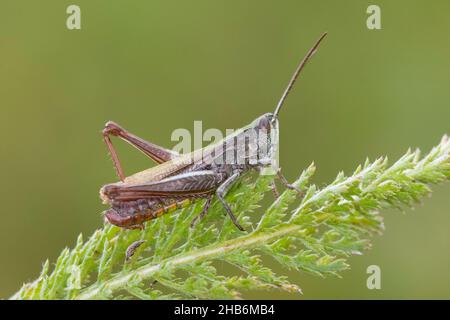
pixel 266 128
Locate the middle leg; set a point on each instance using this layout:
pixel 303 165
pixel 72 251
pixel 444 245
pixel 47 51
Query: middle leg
pixel 222 191
pixel 204 211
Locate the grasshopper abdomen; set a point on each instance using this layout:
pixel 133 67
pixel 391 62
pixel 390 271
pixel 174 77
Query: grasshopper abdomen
pixel 132 215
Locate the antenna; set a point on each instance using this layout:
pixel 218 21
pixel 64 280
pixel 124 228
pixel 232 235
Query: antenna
pixel 296 73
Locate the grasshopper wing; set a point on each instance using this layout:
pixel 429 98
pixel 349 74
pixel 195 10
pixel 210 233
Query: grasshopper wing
pixel 197 183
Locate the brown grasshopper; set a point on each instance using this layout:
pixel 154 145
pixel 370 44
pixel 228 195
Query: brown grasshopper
pixel 178 180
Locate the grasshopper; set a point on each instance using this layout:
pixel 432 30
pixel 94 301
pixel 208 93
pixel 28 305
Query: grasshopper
pixel 180 179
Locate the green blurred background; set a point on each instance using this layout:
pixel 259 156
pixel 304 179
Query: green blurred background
pixel 154 66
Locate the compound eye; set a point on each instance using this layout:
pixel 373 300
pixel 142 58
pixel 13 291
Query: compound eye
pixel 264 124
